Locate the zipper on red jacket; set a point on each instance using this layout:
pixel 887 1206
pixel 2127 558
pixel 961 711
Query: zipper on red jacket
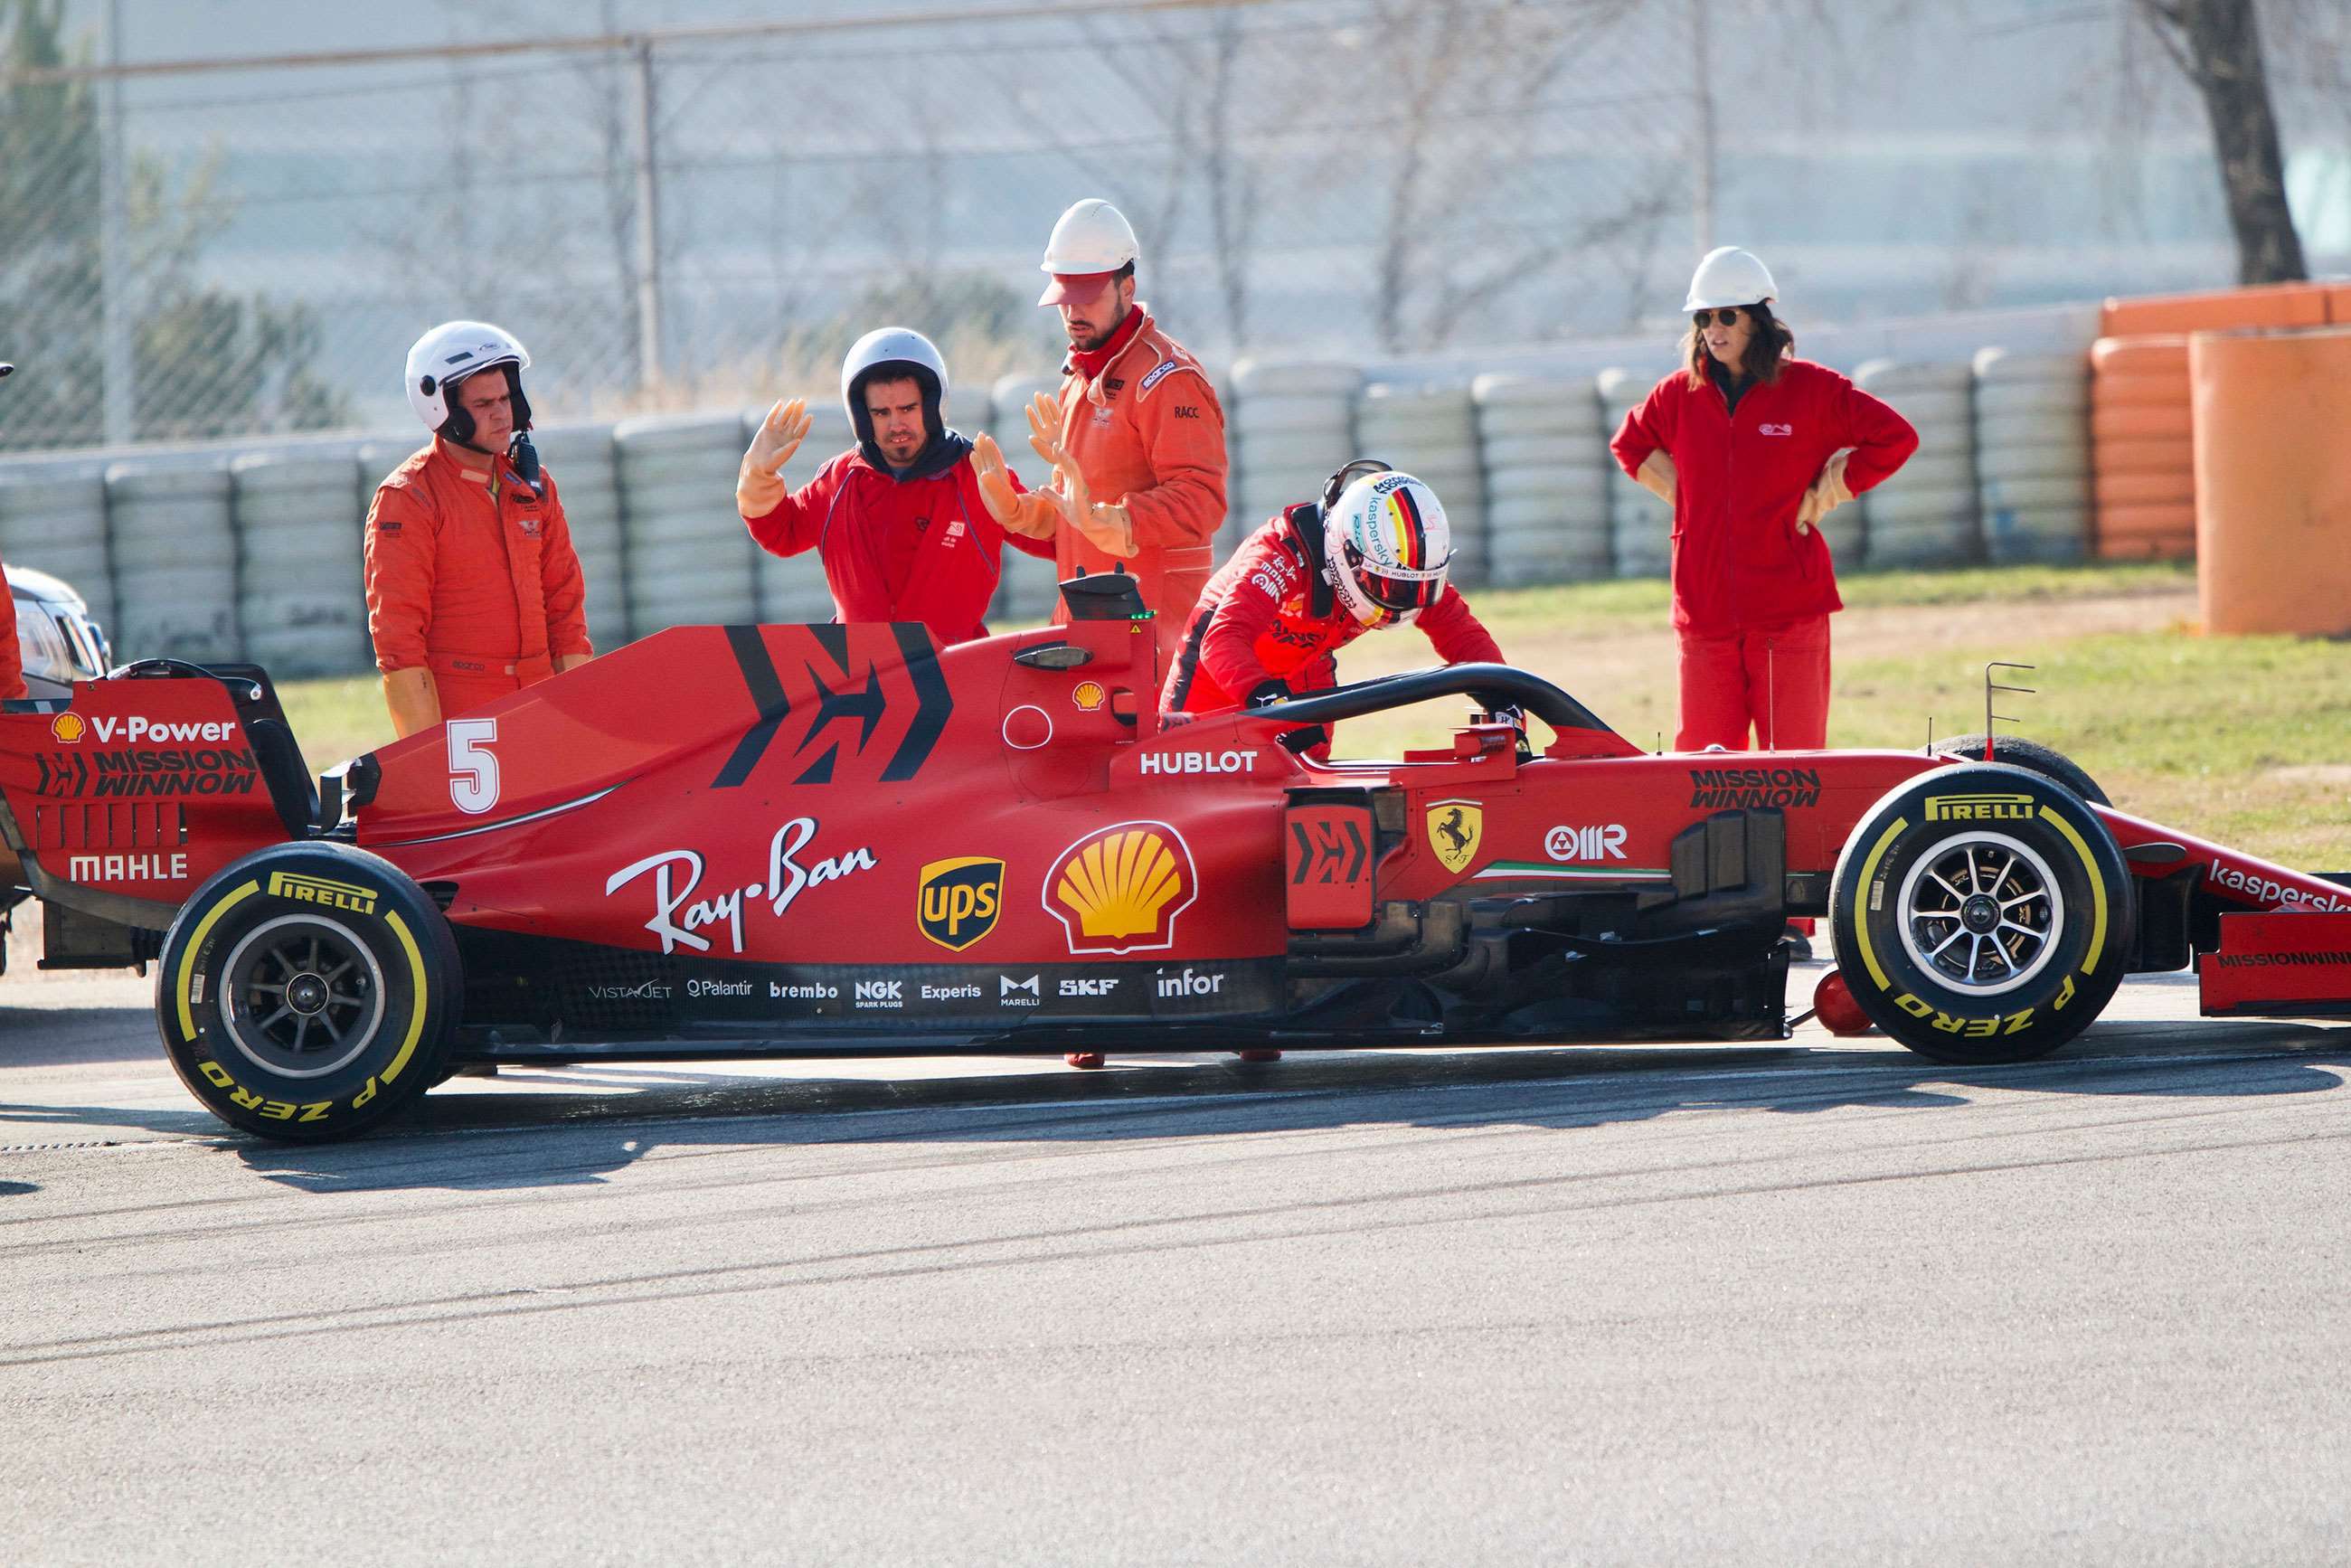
pixel 1730 555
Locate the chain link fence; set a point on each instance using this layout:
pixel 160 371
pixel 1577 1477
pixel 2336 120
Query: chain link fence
pixel 701 218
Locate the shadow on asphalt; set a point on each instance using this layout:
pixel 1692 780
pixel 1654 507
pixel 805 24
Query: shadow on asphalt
pixel 494 1140
pixel 63 1037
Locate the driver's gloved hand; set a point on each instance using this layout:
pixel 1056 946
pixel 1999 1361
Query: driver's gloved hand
pixel 1266 692
pixel 1516 717
pixel 1304 738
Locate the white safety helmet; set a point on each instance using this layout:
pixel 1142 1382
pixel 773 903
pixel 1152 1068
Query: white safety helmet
pixel 1091 238
pixel 1730 276
pixel 448 355
pixel 904 352
pixel 1386 545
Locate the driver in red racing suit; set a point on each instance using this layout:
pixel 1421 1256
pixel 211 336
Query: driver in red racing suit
pixel 1310 580
pixel 1270 622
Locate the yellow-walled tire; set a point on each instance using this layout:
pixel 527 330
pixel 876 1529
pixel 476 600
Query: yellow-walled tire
pixel 1982 914
pixel 309 991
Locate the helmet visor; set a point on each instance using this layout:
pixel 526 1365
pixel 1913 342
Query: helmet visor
pixel 1397 594
pixel 1400 593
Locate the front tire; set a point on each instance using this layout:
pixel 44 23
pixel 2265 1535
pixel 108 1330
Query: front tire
pixel 309 991
pixel 2029 755
pixel 1983 914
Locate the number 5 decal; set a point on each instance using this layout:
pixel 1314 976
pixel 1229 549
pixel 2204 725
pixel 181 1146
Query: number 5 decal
pixel 473 770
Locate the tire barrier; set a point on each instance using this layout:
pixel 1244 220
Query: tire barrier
pixel 1431 432
pixel 1025 592
pixel 301 605
pixel 1291 423
pixel 2024 457
pixel 1640 526
pixel 173 544
pixel 691 562
pixel 1926 514
pixel 53 518
pixel 1546 462
pixel 2033 455
pixel 791 590
pixel 2142 449
pixel 587 476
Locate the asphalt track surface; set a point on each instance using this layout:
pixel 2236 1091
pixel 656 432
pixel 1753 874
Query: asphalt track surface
pixel 1819 1303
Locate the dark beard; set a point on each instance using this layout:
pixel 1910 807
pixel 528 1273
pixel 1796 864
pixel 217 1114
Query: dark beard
pixel 1090 345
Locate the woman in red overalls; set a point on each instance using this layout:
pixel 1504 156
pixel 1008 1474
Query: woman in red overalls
pixel 1752 447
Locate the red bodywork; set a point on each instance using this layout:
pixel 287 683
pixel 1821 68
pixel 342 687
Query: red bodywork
pixel 739 821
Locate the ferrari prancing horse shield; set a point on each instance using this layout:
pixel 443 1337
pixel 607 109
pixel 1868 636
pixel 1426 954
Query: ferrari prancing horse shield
pixel 1453 830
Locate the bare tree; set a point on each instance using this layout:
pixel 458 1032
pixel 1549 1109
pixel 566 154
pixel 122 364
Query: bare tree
pixel 1474 78
pixel 2216 45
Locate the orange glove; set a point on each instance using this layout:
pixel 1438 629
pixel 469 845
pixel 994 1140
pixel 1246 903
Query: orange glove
pixel 1658 477
pixel 756 488
pixel 1031 514
pixel 1106 526
pixel 1828 492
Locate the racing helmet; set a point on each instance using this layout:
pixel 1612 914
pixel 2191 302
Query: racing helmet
pixel 1386 545
pixel 891 352
pixel 448 354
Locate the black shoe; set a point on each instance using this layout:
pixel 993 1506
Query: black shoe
pixel 1799 945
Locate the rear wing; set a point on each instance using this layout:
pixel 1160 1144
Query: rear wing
pixel 121 800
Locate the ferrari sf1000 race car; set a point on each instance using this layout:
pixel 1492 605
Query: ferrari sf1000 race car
pixel 844 840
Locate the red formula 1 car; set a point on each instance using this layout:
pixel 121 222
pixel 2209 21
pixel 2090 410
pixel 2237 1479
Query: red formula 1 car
pixel 837 840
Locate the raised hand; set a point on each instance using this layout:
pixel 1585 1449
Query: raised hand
pixel 779 435
pixel 1045 429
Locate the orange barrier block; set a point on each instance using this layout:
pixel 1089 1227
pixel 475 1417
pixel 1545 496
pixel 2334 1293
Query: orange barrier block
pixel 2142 422
pixel 2147 532
pixel 2338 304
pixel 2273 480
pixel 2166 392
pixel 2266 305
pixel 2161 354
pixel 2173 455
pixel 2123 489
pixel 2142 459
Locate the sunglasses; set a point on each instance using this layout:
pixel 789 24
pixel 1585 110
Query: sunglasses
pixel 1728 316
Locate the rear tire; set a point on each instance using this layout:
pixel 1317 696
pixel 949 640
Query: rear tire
pixel 309 991
pixel 1983 914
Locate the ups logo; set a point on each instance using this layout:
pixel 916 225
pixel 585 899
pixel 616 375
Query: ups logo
pixel 959 900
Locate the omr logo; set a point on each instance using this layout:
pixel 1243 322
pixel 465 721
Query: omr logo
pixel 957 900
pixel 67 727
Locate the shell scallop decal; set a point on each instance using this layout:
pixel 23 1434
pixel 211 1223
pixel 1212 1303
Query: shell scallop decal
pixel 1120 888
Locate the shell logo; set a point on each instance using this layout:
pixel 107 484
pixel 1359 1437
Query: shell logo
pixel 1087 696
pixel 67 727
pixel 1120 888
